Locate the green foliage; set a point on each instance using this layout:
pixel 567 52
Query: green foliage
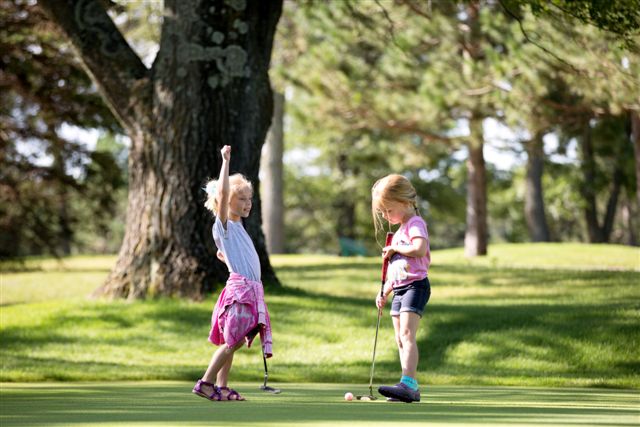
pixel 101 206
pixel 506 206
pixel 374 87
pixel 391 86
pixel 309 217
pixel 534 314
pixel 563 207
pixel 45 173
pixel 620 17
pixel 443 198
pixel 406 78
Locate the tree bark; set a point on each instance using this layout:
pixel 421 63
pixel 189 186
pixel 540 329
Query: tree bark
pixel 630 221
pixel 600 233
pixel 344 204
pixel 475 238
pixel 272 182
pixel 635 137
pixel 207 87
pixel 534 201
pixel 594 231
pixel 612 203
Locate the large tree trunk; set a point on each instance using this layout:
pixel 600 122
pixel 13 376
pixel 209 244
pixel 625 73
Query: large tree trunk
pixel 272 181
pixel 208 87
pixel 475 238
pixel 533 201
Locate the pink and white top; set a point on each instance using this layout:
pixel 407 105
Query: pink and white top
pixel 404 270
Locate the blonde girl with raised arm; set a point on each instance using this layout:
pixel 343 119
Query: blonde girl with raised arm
pixel 240 312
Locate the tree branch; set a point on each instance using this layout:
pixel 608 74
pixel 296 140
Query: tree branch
pixel 404 127
pixel 118 72
pixel 536 44
pixel 416 9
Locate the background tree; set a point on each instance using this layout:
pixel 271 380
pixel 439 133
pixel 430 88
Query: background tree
pixel 373 87
pixel 596 91
pixel 45 172
pixel 620 18
pixel 412 77
pixel 272 181
pixel 208 86
pixel 635 137
pixel 407 78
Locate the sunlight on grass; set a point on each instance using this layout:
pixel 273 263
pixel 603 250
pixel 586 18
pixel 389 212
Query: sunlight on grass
pixel 301 404
pixel 574 256
pixel 501 324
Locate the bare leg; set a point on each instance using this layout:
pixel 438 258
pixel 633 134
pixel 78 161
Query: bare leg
pixel 407 328
pixel 396 328
pixel 223 373
pixel 221 357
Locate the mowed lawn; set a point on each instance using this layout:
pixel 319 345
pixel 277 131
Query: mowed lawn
pixel 520 316
pixel 165 404
pixel 532 334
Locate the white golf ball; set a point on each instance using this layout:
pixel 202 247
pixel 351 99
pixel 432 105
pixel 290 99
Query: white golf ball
pixel 348 396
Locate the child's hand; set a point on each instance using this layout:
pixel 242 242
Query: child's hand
pixel 226 152
pixel 381 300
pixel 388 252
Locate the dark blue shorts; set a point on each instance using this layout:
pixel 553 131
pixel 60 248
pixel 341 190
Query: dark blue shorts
pixel 412 297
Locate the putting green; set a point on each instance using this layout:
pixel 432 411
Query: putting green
pixel 172 404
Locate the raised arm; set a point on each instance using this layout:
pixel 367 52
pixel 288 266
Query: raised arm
pixel 223 186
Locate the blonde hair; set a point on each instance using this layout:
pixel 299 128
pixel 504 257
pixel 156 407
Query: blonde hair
pixel 392 188
pixel 237 182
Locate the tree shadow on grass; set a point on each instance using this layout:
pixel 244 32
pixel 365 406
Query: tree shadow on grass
pixel 475 340
pixel 460 337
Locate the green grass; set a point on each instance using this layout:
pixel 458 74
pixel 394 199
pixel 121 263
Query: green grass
pixel 570 256
pixel 171 404
pixel 552 315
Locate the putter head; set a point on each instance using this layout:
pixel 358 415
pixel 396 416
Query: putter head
pixel 270 389
pixel 366 397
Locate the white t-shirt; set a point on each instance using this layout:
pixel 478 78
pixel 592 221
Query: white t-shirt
pixel 236 245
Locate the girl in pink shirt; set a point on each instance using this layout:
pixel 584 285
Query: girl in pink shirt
pixel 394 201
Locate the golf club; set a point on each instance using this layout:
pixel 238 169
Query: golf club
pixel 385 264
pixel 265 387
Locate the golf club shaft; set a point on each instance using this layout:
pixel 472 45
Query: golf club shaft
pixel 385 264
pixel 373 360
pixel 266 371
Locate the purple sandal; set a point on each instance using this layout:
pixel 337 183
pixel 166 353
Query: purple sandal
pixel 215 394
pixel 232 393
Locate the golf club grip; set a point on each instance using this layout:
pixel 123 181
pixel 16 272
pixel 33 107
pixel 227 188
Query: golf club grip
pixel 385 263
